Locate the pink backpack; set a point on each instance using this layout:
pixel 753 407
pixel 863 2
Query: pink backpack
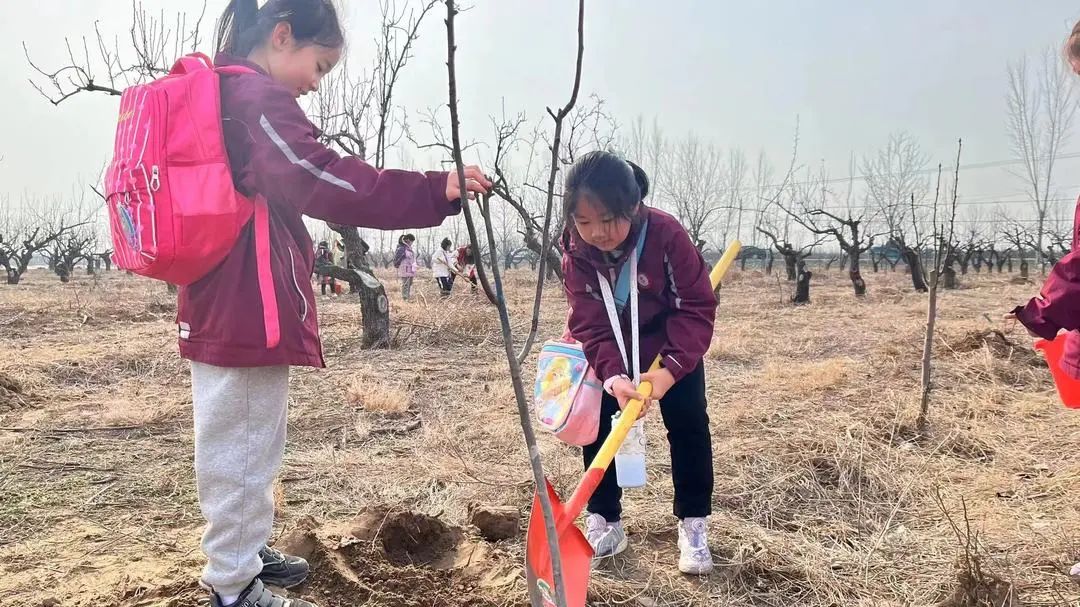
pixel 174 212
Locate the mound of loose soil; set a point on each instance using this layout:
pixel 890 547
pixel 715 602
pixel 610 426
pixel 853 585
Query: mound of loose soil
pixel 405 559
pixel 999 346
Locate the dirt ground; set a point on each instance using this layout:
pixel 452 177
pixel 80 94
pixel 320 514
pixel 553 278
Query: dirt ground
pixel 825 495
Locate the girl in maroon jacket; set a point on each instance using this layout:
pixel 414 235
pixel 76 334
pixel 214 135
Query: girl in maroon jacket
pixel 1057 307
pixel 239 384
pixel 605 215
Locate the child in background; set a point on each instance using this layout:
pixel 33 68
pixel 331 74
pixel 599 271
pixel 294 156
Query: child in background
pixel 325 257
pixel 466 265
pixel 605 218
pixel 442 266
pixel 239 374
pixel 405 262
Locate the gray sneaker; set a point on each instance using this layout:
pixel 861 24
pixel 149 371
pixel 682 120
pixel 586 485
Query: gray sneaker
pixel 256 595
pixel 607 539
pixel 282 570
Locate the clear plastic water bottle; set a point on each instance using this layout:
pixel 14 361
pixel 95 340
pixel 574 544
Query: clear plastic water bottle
pixel 630 458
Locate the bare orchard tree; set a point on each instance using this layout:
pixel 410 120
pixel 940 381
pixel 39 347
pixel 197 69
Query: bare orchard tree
pixel 735 196
pixel 353 112
pixel 815 210
pixel 1017 237
pixel 511 185
pixel 695 185
pixel 1041 108
pixel 942 225
pixel 776 227
pixel 514 360
pixel 109 65
pixel 896 183
pixel 65 252
pixel 25 235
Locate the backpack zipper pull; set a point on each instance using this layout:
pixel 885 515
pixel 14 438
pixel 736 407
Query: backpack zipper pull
pixel 155 178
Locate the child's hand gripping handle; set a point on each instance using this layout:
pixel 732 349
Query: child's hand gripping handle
pixel 629 415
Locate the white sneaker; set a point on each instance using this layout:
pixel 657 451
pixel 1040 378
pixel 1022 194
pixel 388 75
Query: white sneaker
pixel 1074 573
pixel 694 555
pixel 607 539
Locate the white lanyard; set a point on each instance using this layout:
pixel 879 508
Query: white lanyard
pixel 633 364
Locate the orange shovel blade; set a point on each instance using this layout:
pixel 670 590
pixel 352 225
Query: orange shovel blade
pixel 573 547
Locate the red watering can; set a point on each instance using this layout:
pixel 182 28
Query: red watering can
pixel 1067 387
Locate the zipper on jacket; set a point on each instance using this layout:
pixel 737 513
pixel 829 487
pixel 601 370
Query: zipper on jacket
pixel 296 283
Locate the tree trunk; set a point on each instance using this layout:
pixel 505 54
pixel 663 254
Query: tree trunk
pixel 928 345
pixel 855 273
pixel 13 277
pixel 791 263
pixel 374 306
pixel 1023 268
pixel 802 287
pixel 911 258
pixel 768 264
pixel 949 274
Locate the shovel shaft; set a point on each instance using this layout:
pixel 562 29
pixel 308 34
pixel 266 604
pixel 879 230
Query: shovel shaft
pixel 591 480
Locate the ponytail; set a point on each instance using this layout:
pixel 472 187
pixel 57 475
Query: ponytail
pixel 641 178
pixel 239 18
pixel 244 26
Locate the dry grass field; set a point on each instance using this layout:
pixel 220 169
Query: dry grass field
pixel 825 494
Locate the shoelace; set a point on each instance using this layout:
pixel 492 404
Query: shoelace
pixel 277 555
pixel 696 536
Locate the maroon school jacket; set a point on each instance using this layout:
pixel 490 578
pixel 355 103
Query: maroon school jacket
pixel 1058 304
pixel 676 303
pixel 274 151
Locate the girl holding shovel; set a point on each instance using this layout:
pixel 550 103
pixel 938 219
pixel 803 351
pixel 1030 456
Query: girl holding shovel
pixel 610 230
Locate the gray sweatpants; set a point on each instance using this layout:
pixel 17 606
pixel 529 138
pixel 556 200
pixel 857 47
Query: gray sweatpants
pixel 240 420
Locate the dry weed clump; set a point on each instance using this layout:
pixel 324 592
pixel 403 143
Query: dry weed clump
pixel 847 489
pixel 377 397
pixel 11 393
pixel 457 320
pixel 815 376
pixel 976 584
pixel 999 346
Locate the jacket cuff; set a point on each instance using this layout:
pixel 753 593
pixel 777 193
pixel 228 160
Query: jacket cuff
pixel 609 382
pixel 676 367
pixel 437 181
pixel 1032 317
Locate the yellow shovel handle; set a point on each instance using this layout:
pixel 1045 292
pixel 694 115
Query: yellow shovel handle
pixel 633 408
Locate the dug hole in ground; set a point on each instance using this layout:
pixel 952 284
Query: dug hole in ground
pixel 825 493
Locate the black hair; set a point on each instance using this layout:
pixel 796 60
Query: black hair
pixel 446 244
pixel 244 26
pixel 406 237
pixel 605 177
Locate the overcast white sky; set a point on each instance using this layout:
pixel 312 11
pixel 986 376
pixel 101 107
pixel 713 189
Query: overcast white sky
pixel 736 73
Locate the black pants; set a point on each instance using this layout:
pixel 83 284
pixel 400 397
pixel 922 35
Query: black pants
pixel 331 283
pixel 684 412
pixel 446 284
